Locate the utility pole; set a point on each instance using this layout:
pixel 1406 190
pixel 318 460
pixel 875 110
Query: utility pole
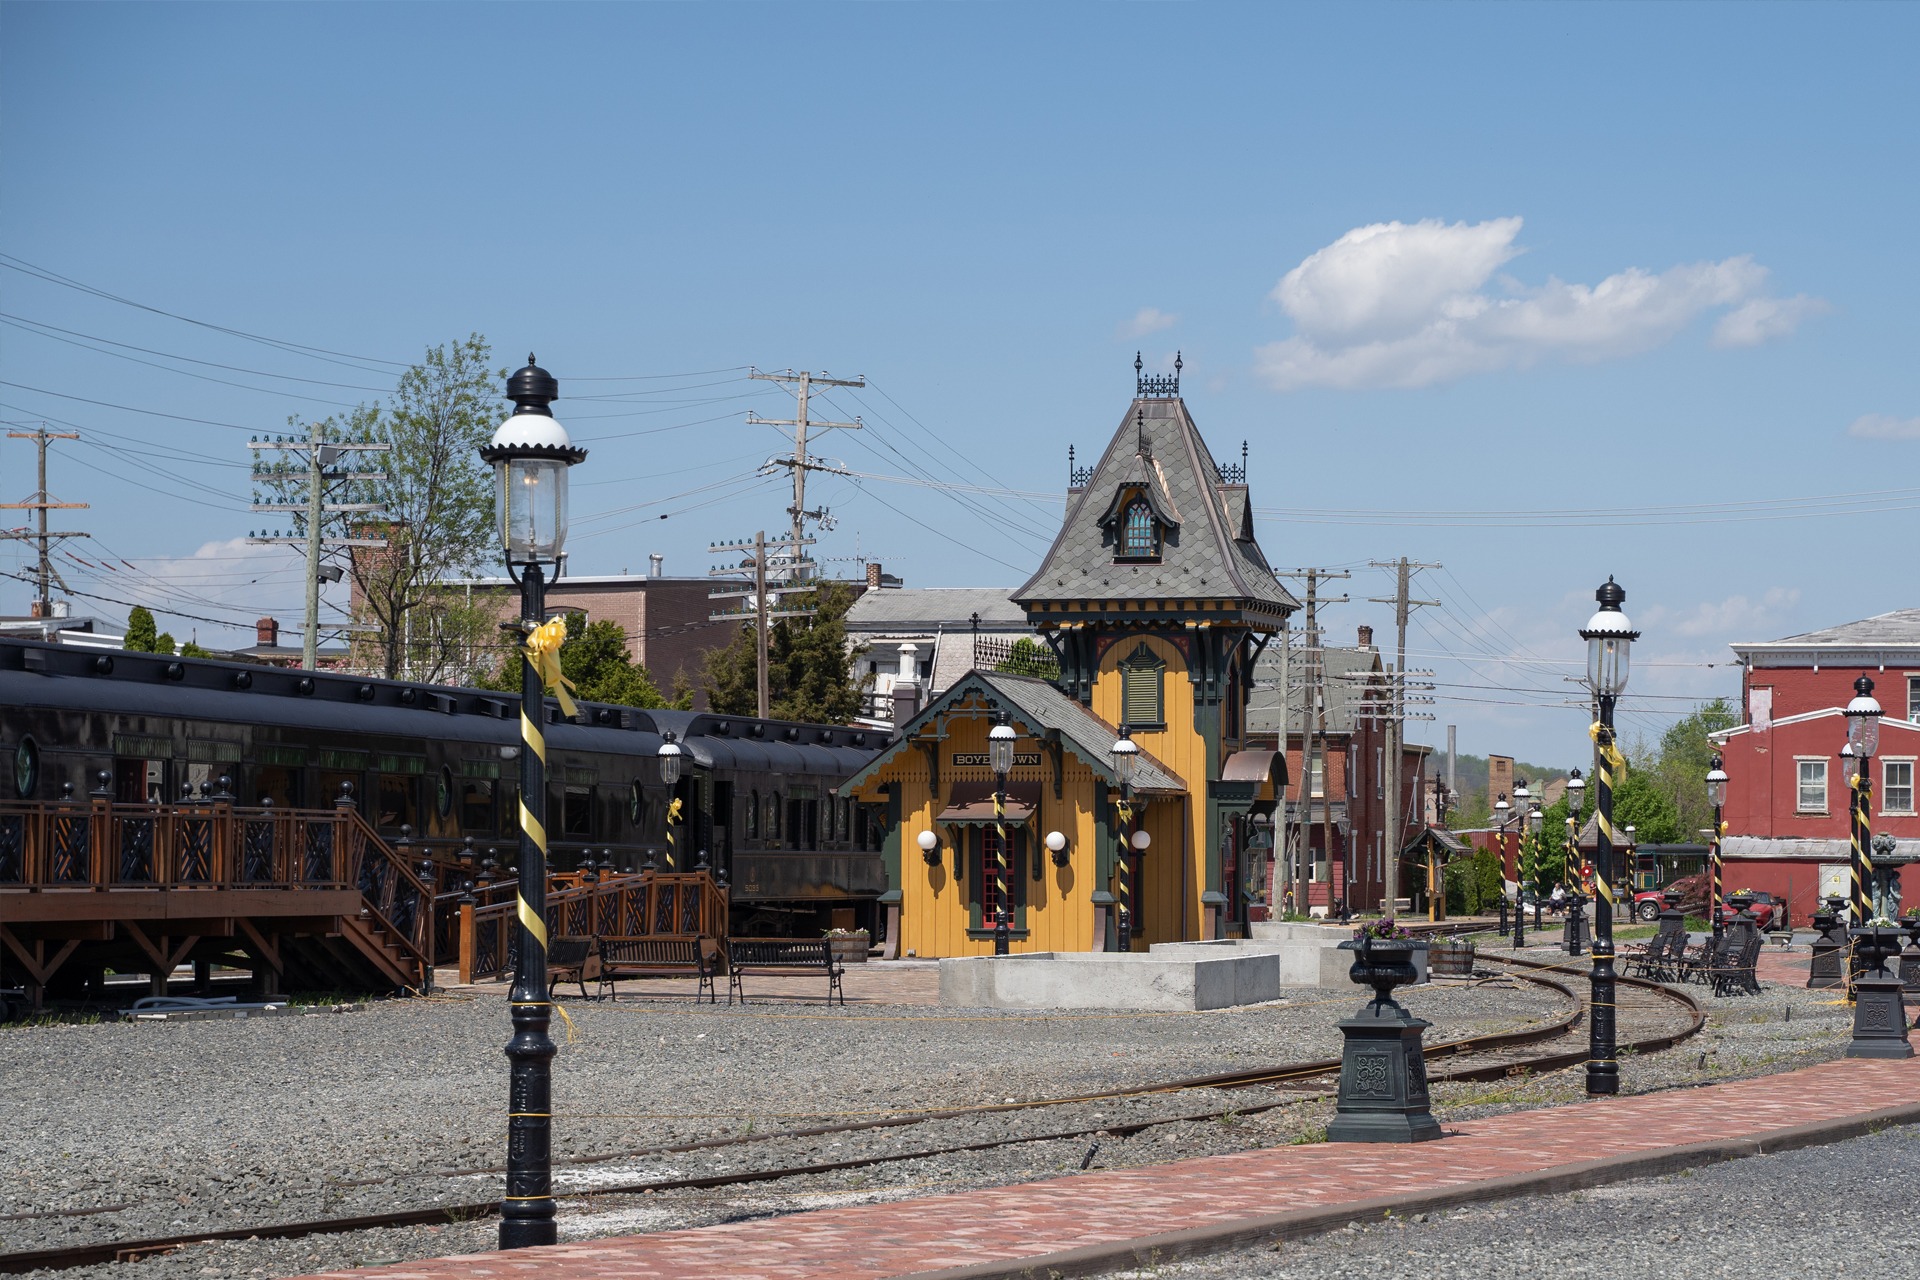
pixel 319 454
pixel 1314 703
pixel 761 599
pixel 798 462
pixel 40 503
pixel 1397 726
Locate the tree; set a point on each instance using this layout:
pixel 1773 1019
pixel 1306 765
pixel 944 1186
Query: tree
pixel 594 657
pixel 1029 657
pixel 142 635
pixel 1685 755
pixel 810 670
pixel 163 643
pixel 436 497
pixel 192 649
pixel 1640 803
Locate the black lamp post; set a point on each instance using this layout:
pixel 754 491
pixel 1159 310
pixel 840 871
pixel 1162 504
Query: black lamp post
pixel 1536 821
pixel 1716 796
pixel 1502 815
pixel 1000 740
pixel 531 454
pixel 1863 735
pixel 671 755
pixel 1609 638
pixel 1569 868
pixel 1125 754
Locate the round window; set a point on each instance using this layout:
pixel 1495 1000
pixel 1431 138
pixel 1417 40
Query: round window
pixel 636 803
pixel 26 768
pixel 443 797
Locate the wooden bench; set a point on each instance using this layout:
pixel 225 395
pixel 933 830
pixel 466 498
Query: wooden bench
pixel 572 960
pixel 782 955
pixel 671 956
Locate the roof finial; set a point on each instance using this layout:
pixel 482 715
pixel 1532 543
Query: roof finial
pixel 1140 430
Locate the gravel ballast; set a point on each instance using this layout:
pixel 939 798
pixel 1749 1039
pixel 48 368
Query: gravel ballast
pixel 209 1125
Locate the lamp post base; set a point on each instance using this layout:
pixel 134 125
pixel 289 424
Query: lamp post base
pixel 1879 1020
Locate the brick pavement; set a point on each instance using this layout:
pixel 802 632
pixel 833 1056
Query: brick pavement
pixel 1089 1210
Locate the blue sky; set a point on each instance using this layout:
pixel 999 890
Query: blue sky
pixel 1436 263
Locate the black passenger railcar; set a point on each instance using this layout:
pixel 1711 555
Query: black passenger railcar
pixel 757 800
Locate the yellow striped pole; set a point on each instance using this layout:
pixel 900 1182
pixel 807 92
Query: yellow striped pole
pixel 1603 1069
pixel 1001 907
pixel 1124 872
pixel 527 1211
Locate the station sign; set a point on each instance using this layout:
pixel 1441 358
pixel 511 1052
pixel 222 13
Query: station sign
pixel 979 759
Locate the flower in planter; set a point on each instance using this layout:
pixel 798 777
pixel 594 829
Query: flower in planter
pixel 1382 930
pixel 846 933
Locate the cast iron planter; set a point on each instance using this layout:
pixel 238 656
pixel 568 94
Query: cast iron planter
pixel 1383 1072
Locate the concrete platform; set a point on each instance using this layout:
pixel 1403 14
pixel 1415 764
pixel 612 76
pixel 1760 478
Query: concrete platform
pixel 1310 954
pixel 1112 980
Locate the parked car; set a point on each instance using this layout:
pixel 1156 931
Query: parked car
pixel 1649 903
pixel 1768 911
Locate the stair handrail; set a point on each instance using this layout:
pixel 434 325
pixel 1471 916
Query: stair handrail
pixel 416 941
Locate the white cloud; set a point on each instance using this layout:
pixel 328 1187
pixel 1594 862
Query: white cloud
pixel 1734 618
pixel 1408 305
pixel 1884 426
pixel 1764 319
pixel 228 579
pixel 1147 320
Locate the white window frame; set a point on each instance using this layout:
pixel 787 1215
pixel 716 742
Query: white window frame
pixel 1887 764
pixel 1379 773
pixel 1913 689
pixel 1799 786
pixel 1317 777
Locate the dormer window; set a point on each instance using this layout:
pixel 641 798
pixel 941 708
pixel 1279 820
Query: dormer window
pixel 1136 525
pixel 1139 540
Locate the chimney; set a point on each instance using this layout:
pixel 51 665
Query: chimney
pixel 906 684
pixel 266 633
pixel 656 565
pixel 873 575
pixel 1366 637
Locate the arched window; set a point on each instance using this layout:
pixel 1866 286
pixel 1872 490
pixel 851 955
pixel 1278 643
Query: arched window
pixel 1138 537
pixel 753 815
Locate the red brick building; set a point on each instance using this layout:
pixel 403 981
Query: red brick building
pixel 1786 809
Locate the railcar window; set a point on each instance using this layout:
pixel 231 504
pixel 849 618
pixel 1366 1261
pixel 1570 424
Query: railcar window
pixel 278 783
pixel 753 815
pixel 636 805
pixel 476 804
pixel 577 812
pixel 443 792
pixel 399 802
pixel 773 816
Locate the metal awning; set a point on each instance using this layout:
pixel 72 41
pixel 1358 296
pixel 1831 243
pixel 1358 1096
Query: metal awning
pixel 972 803
pixel 1255 766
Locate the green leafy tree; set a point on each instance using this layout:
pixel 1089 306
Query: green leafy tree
pixel 1030 658
pixel 1640 802
pixel 594 657
pixel 192 649
pixel 810 669
pixel 1680 768
pixel 163 643
pixel 435 498
pixel 142 635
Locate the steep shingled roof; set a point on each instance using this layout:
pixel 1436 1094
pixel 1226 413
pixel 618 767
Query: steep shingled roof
pixel 1210 553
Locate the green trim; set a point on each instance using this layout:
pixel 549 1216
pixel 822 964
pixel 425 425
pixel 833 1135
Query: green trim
pixel 212 750
pixel 890 848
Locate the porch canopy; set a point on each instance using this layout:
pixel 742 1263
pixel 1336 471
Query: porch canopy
pixel 971 803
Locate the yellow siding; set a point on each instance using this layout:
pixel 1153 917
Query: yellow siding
pixel 1177 825
pixel 933 907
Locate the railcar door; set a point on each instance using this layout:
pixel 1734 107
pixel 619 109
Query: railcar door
pixel 139 781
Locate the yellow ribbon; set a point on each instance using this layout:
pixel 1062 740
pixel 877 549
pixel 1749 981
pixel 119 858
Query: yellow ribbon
pixel 543 651
pixel 673 820
pixel 530 921
pixel 1608 751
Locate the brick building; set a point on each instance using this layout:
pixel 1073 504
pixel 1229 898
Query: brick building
pixel 1786 809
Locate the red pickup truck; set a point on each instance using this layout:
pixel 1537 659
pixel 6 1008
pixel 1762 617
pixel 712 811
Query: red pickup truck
pixel 1768 911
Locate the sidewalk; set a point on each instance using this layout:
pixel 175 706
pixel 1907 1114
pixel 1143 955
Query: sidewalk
pixel 1074 1225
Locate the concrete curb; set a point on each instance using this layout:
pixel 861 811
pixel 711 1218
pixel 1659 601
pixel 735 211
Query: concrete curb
pixel 1199 1242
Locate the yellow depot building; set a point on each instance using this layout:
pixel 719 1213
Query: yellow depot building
pixel 1156 600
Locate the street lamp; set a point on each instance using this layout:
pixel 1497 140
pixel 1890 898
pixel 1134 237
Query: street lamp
pixel 1716 796
pixel 1609 638
pixel 1000 759
pixel 671 756
pixel 1503 814
pixel 1569 867
pixel 1125 754
pixel 530 455
pixel 1536 819
pixel 1863 735
pixel 929 848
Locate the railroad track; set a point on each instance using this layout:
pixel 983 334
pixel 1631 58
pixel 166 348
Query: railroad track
pixel 1495 1056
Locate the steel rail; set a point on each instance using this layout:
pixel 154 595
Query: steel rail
pixel 129 1250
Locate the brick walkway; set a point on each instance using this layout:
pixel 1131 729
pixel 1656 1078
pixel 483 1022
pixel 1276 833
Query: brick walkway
pixel 1091 1209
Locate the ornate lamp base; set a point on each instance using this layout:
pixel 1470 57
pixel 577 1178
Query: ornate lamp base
pixel 1879 1020
pixel 1383 1079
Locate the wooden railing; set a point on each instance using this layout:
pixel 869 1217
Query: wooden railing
pixel 74 846
pixel 649 904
